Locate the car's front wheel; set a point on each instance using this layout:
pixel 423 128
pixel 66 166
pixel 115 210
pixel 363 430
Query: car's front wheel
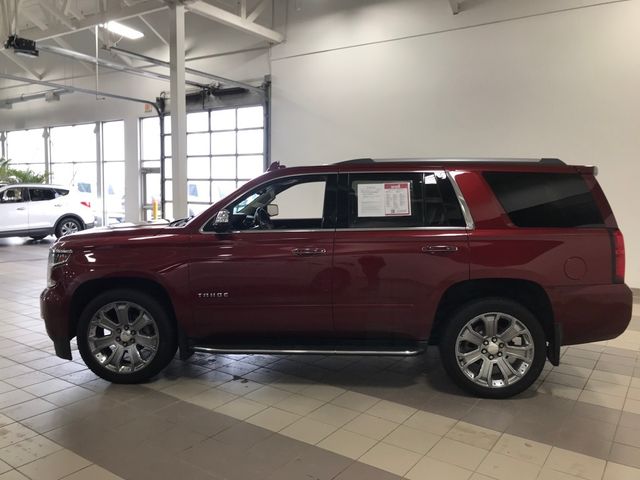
pixel 493 347
pixel 67 226
pixel 126 336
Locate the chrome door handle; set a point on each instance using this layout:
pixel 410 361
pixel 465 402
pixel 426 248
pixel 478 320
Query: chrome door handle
pixel 434 249
pixel 21 208
pixel 308 252
pixel 58 205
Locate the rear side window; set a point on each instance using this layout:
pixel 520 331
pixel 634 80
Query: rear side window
pixel 545 199
pixel 62 191
pixel 41 194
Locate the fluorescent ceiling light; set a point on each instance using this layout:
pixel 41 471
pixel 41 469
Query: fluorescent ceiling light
pixel 123 30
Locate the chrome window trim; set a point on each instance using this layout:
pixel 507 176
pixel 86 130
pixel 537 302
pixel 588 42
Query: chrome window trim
pixel 466 213
pixel 461 200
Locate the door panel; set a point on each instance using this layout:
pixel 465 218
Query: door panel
pixel 44 208
pixel 389 282
pixel 266 288
pixel 14 210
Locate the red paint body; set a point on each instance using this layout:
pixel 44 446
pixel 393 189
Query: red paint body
pixel 369 284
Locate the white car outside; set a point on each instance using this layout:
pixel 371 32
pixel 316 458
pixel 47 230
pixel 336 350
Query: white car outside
pixel 33 210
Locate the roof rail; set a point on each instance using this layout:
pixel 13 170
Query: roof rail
pixel 356 161
pixel 365 161
pixel 552 161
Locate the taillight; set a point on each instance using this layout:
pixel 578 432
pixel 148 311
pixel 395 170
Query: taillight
pixel 618 257
pixel 86 204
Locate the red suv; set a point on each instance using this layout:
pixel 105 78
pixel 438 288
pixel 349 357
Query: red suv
pixel 498 262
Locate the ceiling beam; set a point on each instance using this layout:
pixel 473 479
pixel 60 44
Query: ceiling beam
pixel 253 16
pixel 114 14
pixel 64 44
pixel 11 56
pixel 225 17
pixel 33 18
pixel 155 32
pixel 455 6
pixel 50 7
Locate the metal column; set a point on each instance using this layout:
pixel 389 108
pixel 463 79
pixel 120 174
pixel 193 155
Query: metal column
pixel 178 110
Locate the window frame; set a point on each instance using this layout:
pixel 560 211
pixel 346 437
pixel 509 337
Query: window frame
pixel 343 199
pixel 329 209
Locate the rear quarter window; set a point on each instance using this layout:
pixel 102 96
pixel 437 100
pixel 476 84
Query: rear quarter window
pixel 545 199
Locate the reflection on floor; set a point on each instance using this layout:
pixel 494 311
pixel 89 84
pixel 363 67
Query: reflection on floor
pixel 287 417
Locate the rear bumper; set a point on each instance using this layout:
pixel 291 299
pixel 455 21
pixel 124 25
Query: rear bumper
pixel 54 312
pixel 591 313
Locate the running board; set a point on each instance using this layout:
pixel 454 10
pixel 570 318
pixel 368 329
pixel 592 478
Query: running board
pixel 305 351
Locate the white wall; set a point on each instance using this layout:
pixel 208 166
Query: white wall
pixel 562 84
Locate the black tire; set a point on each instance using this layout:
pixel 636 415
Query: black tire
pixel 163 327
pixel 65 222
pixel 37 238
pixel 471 311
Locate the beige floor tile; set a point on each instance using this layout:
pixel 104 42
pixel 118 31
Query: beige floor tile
pixel 635 382
pixel 370 426
pixel 390 458
pixel 457 453
pixel 308 430
pixel 55 466
pixel 430 422
pixel 616 378
pixel 185 389
pixel 615 471
pixel 602 399
pixel 300 404
pixel 430 468
pixel 348 444
pixel 240 387
pixel 503 467
pixel 558 390
pixel 268 395
pixel 606 387
pixel 549 474
pixel 474 435
pixel 395 412
pixel 355 401
pixel 14 433
pixel 522 449
pixel 325 393
pixel 13 475
pixel 412 439
pixel 212 398
pixel 633 393
pixel 4 467
pixel 631 405
pixel 4 420
pixel 573 370
pixel 240 408
pixel 575 464
pixel 273 419
pixel 28 450
pixel 93 472
pixel 333 415
pixel 567 380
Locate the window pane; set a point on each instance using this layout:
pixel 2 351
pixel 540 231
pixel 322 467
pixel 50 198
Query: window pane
pixel 198 144
pixel 250 166
pixel 62 174
pixel 150 138
pixel 198 122
pixel 73 144
pixel 168 210
pixel 196 208
pixel 113 193
pixel 223 143
pixel 167 124
pixel 545 199
pixel 167 146
pixel 198 167
pixel 250 141
pixel 221 189
pixel 168 168
pixel 223 119
pixel 168 191
pixel 152 187
pixel 223 167
pixel 113 141
pixel 301 201
pixel 198 192
pixel 250 117
pixel 25 146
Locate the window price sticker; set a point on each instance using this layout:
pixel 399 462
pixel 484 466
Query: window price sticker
pixel 384 199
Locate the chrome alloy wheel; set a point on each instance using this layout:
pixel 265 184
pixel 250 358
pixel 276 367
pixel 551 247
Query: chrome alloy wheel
pixel 494 350
pixel 123 337
pixel 69 227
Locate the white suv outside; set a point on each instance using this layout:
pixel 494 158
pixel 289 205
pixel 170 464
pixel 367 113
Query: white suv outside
pixel 34 210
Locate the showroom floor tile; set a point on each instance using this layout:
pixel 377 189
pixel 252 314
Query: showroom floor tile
pixel 281 417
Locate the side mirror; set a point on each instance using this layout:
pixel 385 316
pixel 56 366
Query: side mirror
pixel 221 223
pixel 273 210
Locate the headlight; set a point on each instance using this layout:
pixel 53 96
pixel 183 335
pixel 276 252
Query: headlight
pixel 56 257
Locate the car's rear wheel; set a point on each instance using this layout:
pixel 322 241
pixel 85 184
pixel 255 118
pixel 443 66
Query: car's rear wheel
pixel 126 336
pixel 493 347
pixel 67 226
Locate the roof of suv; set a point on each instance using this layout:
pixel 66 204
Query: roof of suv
pixel 34 185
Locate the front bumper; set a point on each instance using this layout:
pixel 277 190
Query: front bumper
pixel 591 313
pixel 55 313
